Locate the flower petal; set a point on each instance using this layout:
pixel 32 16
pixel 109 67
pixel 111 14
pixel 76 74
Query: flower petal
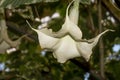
pixel 74 12
pixel 66 49
pixel 95 40
pixel 70 27
pixel 46 41
pixel 85 49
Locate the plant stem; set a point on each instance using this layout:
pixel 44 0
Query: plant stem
pixel 101 46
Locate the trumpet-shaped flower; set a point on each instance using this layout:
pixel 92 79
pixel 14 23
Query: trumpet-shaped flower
pixel 67 43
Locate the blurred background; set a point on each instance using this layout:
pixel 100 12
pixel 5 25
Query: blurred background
pixel 21 58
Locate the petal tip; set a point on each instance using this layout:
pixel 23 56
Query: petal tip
pixel 111 30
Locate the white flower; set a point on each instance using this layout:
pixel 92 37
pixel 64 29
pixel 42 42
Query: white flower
pixel 67 43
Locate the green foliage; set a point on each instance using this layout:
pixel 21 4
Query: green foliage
pixel 17 3
pixel 114 69
pixel 85 1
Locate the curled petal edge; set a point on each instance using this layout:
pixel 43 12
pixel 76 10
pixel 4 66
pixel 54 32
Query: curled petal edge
pixel 46 41
pixel 85 49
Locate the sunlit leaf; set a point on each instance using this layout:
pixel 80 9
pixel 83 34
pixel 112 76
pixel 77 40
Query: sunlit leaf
pixel 85 1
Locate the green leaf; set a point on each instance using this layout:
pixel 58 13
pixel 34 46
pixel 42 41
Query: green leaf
pixel 17 3
pixel 85 1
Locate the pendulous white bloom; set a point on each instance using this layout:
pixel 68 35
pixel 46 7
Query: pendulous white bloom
pixel 67 43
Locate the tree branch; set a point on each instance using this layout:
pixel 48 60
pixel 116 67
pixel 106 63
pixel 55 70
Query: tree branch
pixel 87 68
pixel 101 46
pixel 13 27
pixel 111 7
pixel 90 20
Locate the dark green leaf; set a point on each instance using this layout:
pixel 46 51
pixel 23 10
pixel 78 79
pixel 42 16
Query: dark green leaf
pixel 16 3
